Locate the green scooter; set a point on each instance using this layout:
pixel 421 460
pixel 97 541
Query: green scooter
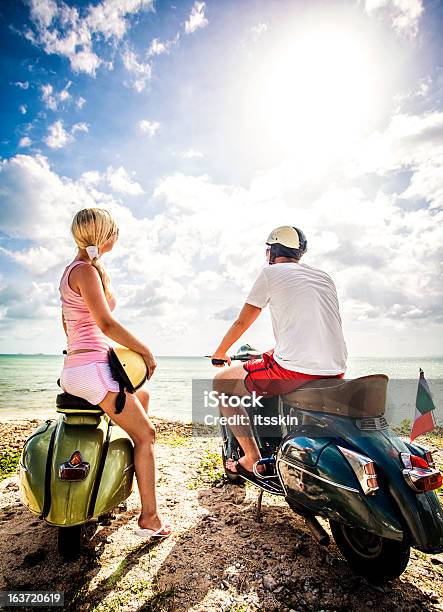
pixel 75 469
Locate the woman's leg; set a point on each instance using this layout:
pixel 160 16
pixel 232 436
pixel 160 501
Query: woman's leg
pixel 135 422
pixel 143 396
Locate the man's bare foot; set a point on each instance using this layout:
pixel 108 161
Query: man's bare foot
pixel 244 462
pixel 153 521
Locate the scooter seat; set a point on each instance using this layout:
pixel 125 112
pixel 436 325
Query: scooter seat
pixel 71 404
pixel 359 397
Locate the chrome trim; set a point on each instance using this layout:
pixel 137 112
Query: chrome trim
pixel 414 475
pixel 259 475
pixel 277 461
pixel 372 423
pixel 331 482
pixel 358 464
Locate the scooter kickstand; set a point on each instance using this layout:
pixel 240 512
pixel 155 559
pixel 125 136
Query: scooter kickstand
pixel 258 518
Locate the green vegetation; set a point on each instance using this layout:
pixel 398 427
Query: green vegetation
pixel 160 601
pixel 149 598
pixel 404 429
pixel 9 459
pixel 209 472
pixel 174 440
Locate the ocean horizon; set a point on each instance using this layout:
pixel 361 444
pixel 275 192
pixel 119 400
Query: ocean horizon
pixel 28 383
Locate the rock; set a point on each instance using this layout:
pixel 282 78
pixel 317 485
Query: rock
pixel 437 560
pixel 302 549
pixel 35 557
pixel 268 582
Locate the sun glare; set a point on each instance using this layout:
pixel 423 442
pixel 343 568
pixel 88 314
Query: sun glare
pixel 318 91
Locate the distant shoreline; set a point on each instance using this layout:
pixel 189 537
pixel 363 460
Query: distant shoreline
pixel 402 357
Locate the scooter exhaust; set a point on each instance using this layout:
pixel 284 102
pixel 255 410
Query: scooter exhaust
pixel 320 535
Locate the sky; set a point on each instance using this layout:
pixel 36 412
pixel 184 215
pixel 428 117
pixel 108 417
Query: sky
pixel 202 126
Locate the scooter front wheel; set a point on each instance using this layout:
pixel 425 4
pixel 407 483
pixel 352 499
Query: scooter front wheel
pixel 69 540
pixel 376 558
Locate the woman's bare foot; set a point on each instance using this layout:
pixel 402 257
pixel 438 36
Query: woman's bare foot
pixel 244 462
pixel 154 522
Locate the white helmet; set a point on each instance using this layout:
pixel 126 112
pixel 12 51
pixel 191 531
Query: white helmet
pixel 287 241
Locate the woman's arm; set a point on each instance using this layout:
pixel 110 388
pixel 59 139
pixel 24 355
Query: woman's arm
pixel 245 319
pixel 90 288
pixel 64 324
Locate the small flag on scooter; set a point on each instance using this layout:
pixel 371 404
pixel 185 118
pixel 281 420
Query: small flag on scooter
pixel 424 407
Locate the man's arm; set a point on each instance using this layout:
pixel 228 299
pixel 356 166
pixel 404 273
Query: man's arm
pixel 245 319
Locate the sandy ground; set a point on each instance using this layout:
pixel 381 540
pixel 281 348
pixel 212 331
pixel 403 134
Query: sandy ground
pixel 219 558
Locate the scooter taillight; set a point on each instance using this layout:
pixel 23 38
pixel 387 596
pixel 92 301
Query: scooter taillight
pixel 420 473
pixel 74 468
pixel 364 469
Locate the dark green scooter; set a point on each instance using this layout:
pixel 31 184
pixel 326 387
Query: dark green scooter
pixel 75 469
pixel 339 460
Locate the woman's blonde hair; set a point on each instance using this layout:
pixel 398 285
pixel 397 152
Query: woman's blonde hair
pixel 94 226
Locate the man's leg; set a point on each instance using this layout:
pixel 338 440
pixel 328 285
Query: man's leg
pixel 230 380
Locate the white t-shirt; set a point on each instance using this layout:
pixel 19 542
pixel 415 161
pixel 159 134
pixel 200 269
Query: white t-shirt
pixel 305 317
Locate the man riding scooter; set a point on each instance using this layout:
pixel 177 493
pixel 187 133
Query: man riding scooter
pixel 309 342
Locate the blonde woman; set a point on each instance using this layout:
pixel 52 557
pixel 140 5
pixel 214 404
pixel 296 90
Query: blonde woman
pixel 87 304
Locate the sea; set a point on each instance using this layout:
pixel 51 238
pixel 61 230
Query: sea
pixel 28 384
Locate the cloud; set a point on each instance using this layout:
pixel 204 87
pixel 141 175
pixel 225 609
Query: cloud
pixel 57 137
pixel 22 84
pixel 227 314
pixel 120 181
pixel 80 102
pixel 36 204
pixel 410 142
pixel 196 18
pixel 52 98
pixel 148 127
pixel 142 72
pixel 80 127
pixel 191 153
pixel 258 30
pixel 108 18
pixel 25 141
pixel 404 15
pixel 91 177
pixel 182 254
pixel 158 47
pixel 60 29
pixel 23 109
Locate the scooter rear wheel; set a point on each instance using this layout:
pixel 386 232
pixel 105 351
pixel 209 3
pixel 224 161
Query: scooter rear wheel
pixel 376 558
pixel 69 541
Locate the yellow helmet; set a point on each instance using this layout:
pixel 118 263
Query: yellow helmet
pixel 129 369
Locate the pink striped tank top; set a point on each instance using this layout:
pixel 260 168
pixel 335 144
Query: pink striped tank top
pixel 83 331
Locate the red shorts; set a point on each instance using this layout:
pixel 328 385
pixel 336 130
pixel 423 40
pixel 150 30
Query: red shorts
pixel 266 377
